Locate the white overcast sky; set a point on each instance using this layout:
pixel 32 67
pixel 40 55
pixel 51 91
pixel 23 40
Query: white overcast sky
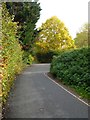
pixel 74 13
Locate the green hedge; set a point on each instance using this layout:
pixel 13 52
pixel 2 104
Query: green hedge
pixel 11 52
pixel 73 68
pixel 46 57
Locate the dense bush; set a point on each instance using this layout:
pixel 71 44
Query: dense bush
pixel 12 54
pixel 45 57
pixel 73 68
pixel 27 58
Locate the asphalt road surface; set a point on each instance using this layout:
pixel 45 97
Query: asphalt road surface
pixel 34 95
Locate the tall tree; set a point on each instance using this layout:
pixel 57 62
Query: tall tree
pixel 26 14
pixel 54 36
pixel 82 36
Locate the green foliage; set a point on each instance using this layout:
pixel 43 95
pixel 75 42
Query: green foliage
pixel 12 54
pixel 82 36
pixel 45 57
pixel 54 36
pixel 26 14
pixel 30 59
pixel 27 58
pixel 72 68
pixel 1 73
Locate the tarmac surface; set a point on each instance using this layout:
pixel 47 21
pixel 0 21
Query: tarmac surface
pixel 34 95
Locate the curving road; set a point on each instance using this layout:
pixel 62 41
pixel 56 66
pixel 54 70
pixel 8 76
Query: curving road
pixel 34 95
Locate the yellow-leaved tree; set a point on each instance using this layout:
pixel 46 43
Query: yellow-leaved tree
pixel 54 36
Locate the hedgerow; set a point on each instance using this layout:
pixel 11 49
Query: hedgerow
pixel 72 68
pixel 45 57
pixel 11 52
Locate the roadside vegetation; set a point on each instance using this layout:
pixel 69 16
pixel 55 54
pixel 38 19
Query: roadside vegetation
pixel 72 68
pixel 11 52
pixel 16 46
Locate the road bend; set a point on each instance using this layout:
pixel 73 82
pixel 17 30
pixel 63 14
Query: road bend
pixel 34 95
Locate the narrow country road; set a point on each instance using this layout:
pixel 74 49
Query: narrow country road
pixel 34 95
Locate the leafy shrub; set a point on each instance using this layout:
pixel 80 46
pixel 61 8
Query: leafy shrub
pixel 72 68
pixel 27 57
pixel 30 59
pixel 12 54
pixel 45 57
